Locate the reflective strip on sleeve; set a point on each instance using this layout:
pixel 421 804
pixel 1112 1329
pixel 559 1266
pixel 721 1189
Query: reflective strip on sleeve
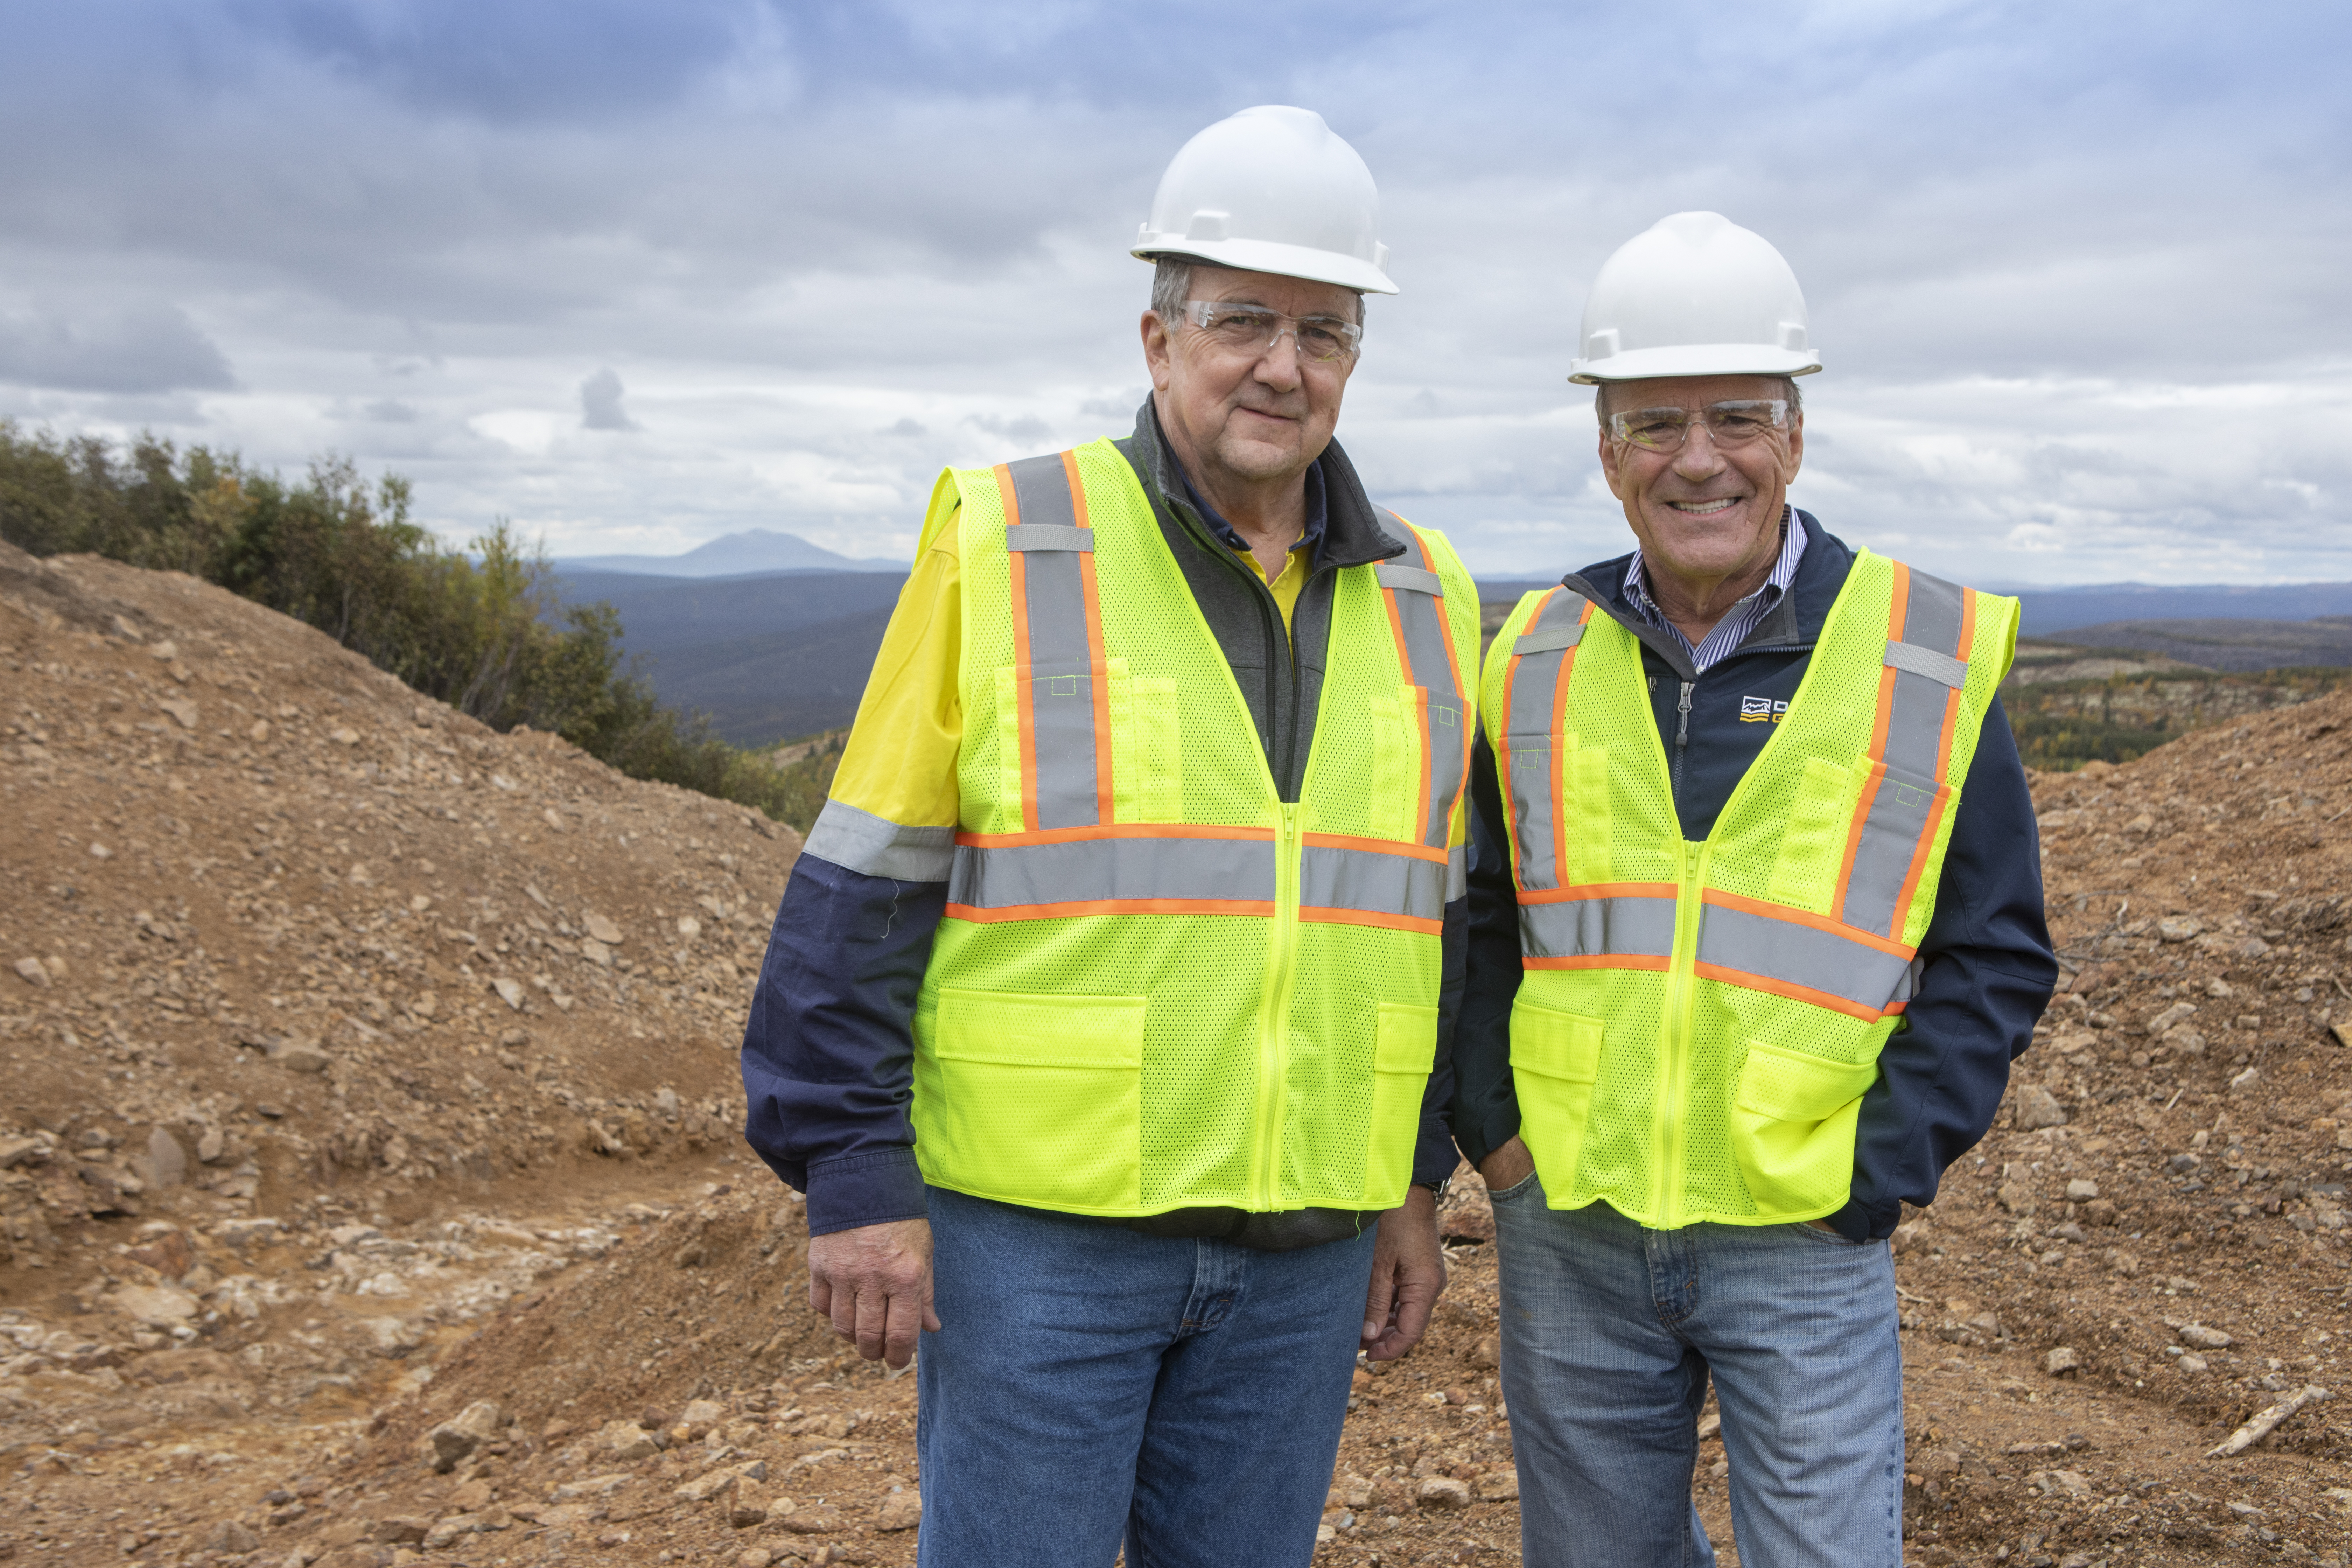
pixel 1162 871
pixel 1416 607
pixel 1905 793
pixel 1535 692
pixel 871 846
pixel 1788 952
pixel 1458 872
pixel 1601 925
pixel 1065 769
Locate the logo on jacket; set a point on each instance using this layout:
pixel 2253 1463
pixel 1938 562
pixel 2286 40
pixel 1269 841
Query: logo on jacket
pixel 1761 711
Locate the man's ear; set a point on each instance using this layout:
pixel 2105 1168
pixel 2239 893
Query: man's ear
pixel 1158 352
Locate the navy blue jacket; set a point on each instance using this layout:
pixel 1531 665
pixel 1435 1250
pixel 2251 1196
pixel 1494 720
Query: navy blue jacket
pixel 1989 968
pixel 828 1051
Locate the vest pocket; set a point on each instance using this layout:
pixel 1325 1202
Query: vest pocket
pixel 1041 1099
pixel 1792 1125
pixel 1405 1046
pixel 1554 1062
pixel 1397 764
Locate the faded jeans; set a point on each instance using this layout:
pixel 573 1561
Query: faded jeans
pixel 1610 1333
pixel 1090 1382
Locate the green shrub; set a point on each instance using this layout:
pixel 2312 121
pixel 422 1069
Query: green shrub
pixel 482 635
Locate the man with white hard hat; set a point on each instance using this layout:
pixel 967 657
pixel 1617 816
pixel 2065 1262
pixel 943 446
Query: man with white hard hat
pixel 1755 930
pixel 1102 1022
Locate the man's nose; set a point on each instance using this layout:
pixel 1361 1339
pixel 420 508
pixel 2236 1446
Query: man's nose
pixel 1278 365
pixel 1699 457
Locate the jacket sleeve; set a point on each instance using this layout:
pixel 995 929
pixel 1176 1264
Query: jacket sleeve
pixel 828 1051
pixel 1986 972
pixel 1485 1109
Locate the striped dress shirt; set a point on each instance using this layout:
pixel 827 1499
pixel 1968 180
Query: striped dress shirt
pixel 1741 618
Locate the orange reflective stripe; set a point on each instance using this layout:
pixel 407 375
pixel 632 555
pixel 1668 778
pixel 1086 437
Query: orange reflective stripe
pixel 1369 846
pixel 1794 993
pixel 1601 891
pixel 1017 565
pixel 1261 910
pixel 1805 918
pixel 1103 791
pixel 1118 830
pixel 1321 915
pixel 1602 961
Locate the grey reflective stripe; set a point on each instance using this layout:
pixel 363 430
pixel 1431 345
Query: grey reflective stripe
pixel 1101 871
pixel 1415 579
pixel 1528 739
pixel 1458 872
pixel 1800 955
pixel 875 847
pixel 1943 666
pixel 1048 536
pixel 1548 638
pixel 1931 612
pixel 1429 663
pixel 1597 928
pixel 1061 661
pixel 1335 879
pixel 1899 806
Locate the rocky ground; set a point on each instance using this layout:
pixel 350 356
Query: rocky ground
pixel 373 1194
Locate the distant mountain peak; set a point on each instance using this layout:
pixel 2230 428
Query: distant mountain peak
pixel 735 554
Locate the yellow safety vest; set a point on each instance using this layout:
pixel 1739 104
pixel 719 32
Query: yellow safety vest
pixel 1158 985
pixel 1697 1022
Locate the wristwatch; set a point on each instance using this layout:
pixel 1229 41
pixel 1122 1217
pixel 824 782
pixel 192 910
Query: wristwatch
pixel 1439 1188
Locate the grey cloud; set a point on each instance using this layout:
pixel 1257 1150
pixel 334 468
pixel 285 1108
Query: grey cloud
pixel 907 426
pixel 1026 427
pixel 142 349
pixel 389 411
pixel 599 402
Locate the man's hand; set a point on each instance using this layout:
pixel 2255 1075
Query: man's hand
pixel 875 1283
pixel 1507 1166
pixel 1408 1273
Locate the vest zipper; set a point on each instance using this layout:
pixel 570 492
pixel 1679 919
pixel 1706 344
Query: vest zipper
pixel 1674 1070
pixel 1273 1015
pixel 1682 738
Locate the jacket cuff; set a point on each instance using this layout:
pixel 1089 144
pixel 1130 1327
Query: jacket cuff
pixel 866 1189
pixel 1434 1158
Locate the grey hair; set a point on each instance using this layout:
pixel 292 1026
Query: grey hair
pixel 1171 284
pixel 1600 394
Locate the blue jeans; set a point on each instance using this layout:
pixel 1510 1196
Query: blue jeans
pixel 1088 1381
pixel 1609 1334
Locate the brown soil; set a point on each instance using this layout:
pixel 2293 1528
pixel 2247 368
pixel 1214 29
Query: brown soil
pixel 475 1206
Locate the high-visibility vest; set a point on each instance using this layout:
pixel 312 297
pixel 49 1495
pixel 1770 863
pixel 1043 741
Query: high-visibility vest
pixel 1157 984
pixel 1697 1022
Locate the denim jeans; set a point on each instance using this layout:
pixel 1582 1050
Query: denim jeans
pixel 1609 1334
pixel 1089 1382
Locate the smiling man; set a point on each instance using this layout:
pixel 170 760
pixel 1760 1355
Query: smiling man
pixel 1757 929
pixel 1103 1020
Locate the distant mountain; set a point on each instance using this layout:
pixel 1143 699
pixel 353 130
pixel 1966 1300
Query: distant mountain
pixel 733 554
pixel 2234 645
pixel 661 617
pixel 2049 610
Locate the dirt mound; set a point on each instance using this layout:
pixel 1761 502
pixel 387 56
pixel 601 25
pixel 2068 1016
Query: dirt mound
pixel 373 1193
pixel 301 976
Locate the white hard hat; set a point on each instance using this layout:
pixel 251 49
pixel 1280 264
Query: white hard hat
pixel 1694 294
pixel 1271 190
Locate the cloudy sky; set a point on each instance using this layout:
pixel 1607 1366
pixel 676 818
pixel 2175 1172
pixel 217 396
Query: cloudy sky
pixel 638 274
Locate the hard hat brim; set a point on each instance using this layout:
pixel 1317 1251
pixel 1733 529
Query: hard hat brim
pixel 1695 359
pixel 1270 256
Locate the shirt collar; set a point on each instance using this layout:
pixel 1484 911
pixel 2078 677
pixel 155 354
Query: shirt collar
pixel 1783 573
pixel 1319 512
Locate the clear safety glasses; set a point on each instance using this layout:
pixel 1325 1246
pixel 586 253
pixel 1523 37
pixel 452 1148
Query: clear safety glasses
pixel 1727 424
pixel 1253 330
